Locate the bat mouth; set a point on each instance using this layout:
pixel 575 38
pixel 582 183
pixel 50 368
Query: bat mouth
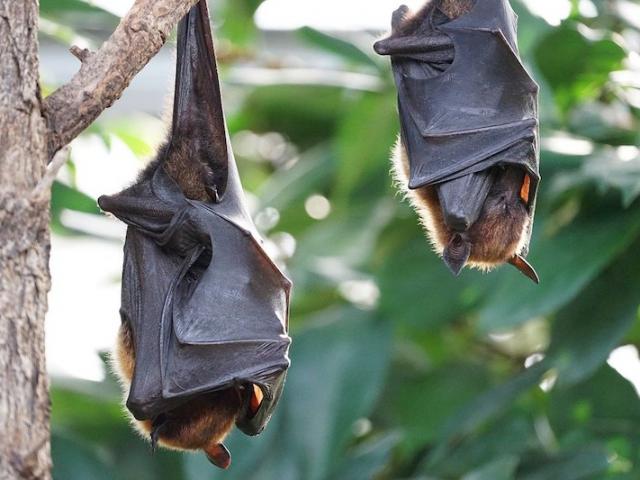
pixel 456 254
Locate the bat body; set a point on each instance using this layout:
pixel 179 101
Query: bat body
pixel 468 150
pixel 203 343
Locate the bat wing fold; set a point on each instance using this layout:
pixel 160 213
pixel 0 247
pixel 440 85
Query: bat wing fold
pixel 466 103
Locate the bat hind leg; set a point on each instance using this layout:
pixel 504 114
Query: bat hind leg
pixel 156 431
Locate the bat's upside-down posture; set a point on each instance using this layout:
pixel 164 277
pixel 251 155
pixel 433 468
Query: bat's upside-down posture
pixel 468 149
pixel 203 343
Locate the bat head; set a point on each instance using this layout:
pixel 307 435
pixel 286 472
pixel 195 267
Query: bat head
pixel 480 220
pixel 484 227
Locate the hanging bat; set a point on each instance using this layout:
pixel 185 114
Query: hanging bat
pixel 468 151
pixel 203 342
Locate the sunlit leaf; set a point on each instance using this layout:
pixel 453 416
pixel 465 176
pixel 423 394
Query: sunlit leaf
pixel 342 48
pixel 576 67
pixel 588 329
pixel 566 263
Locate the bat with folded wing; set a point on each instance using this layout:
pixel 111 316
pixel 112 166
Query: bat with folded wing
pixel 203 343
pixel 468 152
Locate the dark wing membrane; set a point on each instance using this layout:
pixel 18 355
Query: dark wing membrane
pixel 207 306
pixel 197 109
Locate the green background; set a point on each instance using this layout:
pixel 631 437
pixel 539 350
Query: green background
pixel 400 371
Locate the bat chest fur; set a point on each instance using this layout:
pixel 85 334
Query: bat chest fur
pixel 184 167
pixel 201 422
pixel 455 8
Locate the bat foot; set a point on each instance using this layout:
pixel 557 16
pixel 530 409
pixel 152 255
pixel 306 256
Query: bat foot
pixel 219 456
pixel 156 428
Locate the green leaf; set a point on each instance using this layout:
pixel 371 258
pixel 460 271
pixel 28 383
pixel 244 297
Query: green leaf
pixel 607 170
pixel 367 460
pixel 237 22
pixel 484 407
pixel 582 464
pixel 511 436
pixel 342 48
pixel 420 404
pixel 333 381
pixel 605 404
pixel 503 468
pixel 365 139
pixel 417 289
pixel 305 114
pixel 75 460
pixel 566 262
pixel 576 67
pixel 288 187
pixel 588 329
pixel 65 197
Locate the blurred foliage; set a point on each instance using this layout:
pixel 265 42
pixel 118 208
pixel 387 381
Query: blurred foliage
pixel 399 370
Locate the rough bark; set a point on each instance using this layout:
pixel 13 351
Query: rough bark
pixel 24 250
pixel 105 75
pixel 30 133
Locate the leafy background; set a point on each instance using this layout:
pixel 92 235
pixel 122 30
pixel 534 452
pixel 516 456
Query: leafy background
pixel 399 370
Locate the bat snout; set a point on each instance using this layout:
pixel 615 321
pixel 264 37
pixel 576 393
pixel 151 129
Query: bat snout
pixel 382 47
pixel 457 221
pixel 456 254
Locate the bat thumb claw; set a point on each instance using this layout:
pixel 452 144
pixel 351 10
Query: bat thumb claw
pixel 382 47
pixel 212 191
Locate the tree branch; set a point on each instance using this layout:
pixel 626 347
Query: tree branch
pixel 104 75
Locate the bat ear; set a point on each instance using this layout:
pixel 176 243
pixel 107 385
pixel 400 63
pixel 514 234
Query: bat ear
pixel 525 267
pixel 456 254
pixel 219 455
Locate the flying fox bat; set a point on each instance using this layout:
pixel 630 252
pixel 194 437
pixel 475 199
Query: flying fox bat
pixel 203 342
pixel 468 148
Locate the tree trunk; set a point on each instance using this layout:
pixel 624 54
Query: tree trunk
pixel 24 250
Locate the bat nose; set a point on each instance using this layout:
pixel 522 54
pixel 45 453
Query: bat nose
pixel 381 47
pixel 457 221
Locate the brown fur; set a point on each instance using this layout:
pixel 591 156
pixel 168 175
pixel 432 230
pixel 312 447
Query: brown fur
pixel 496 236
pixel 187 171
pixel 201 423
pixel 455 8
pixel 413 21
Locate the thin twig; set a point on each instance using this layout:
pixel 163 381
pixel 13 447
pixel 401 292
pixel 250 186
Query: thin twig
pixel 81 54
pixel 106 73
pixel 42 190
